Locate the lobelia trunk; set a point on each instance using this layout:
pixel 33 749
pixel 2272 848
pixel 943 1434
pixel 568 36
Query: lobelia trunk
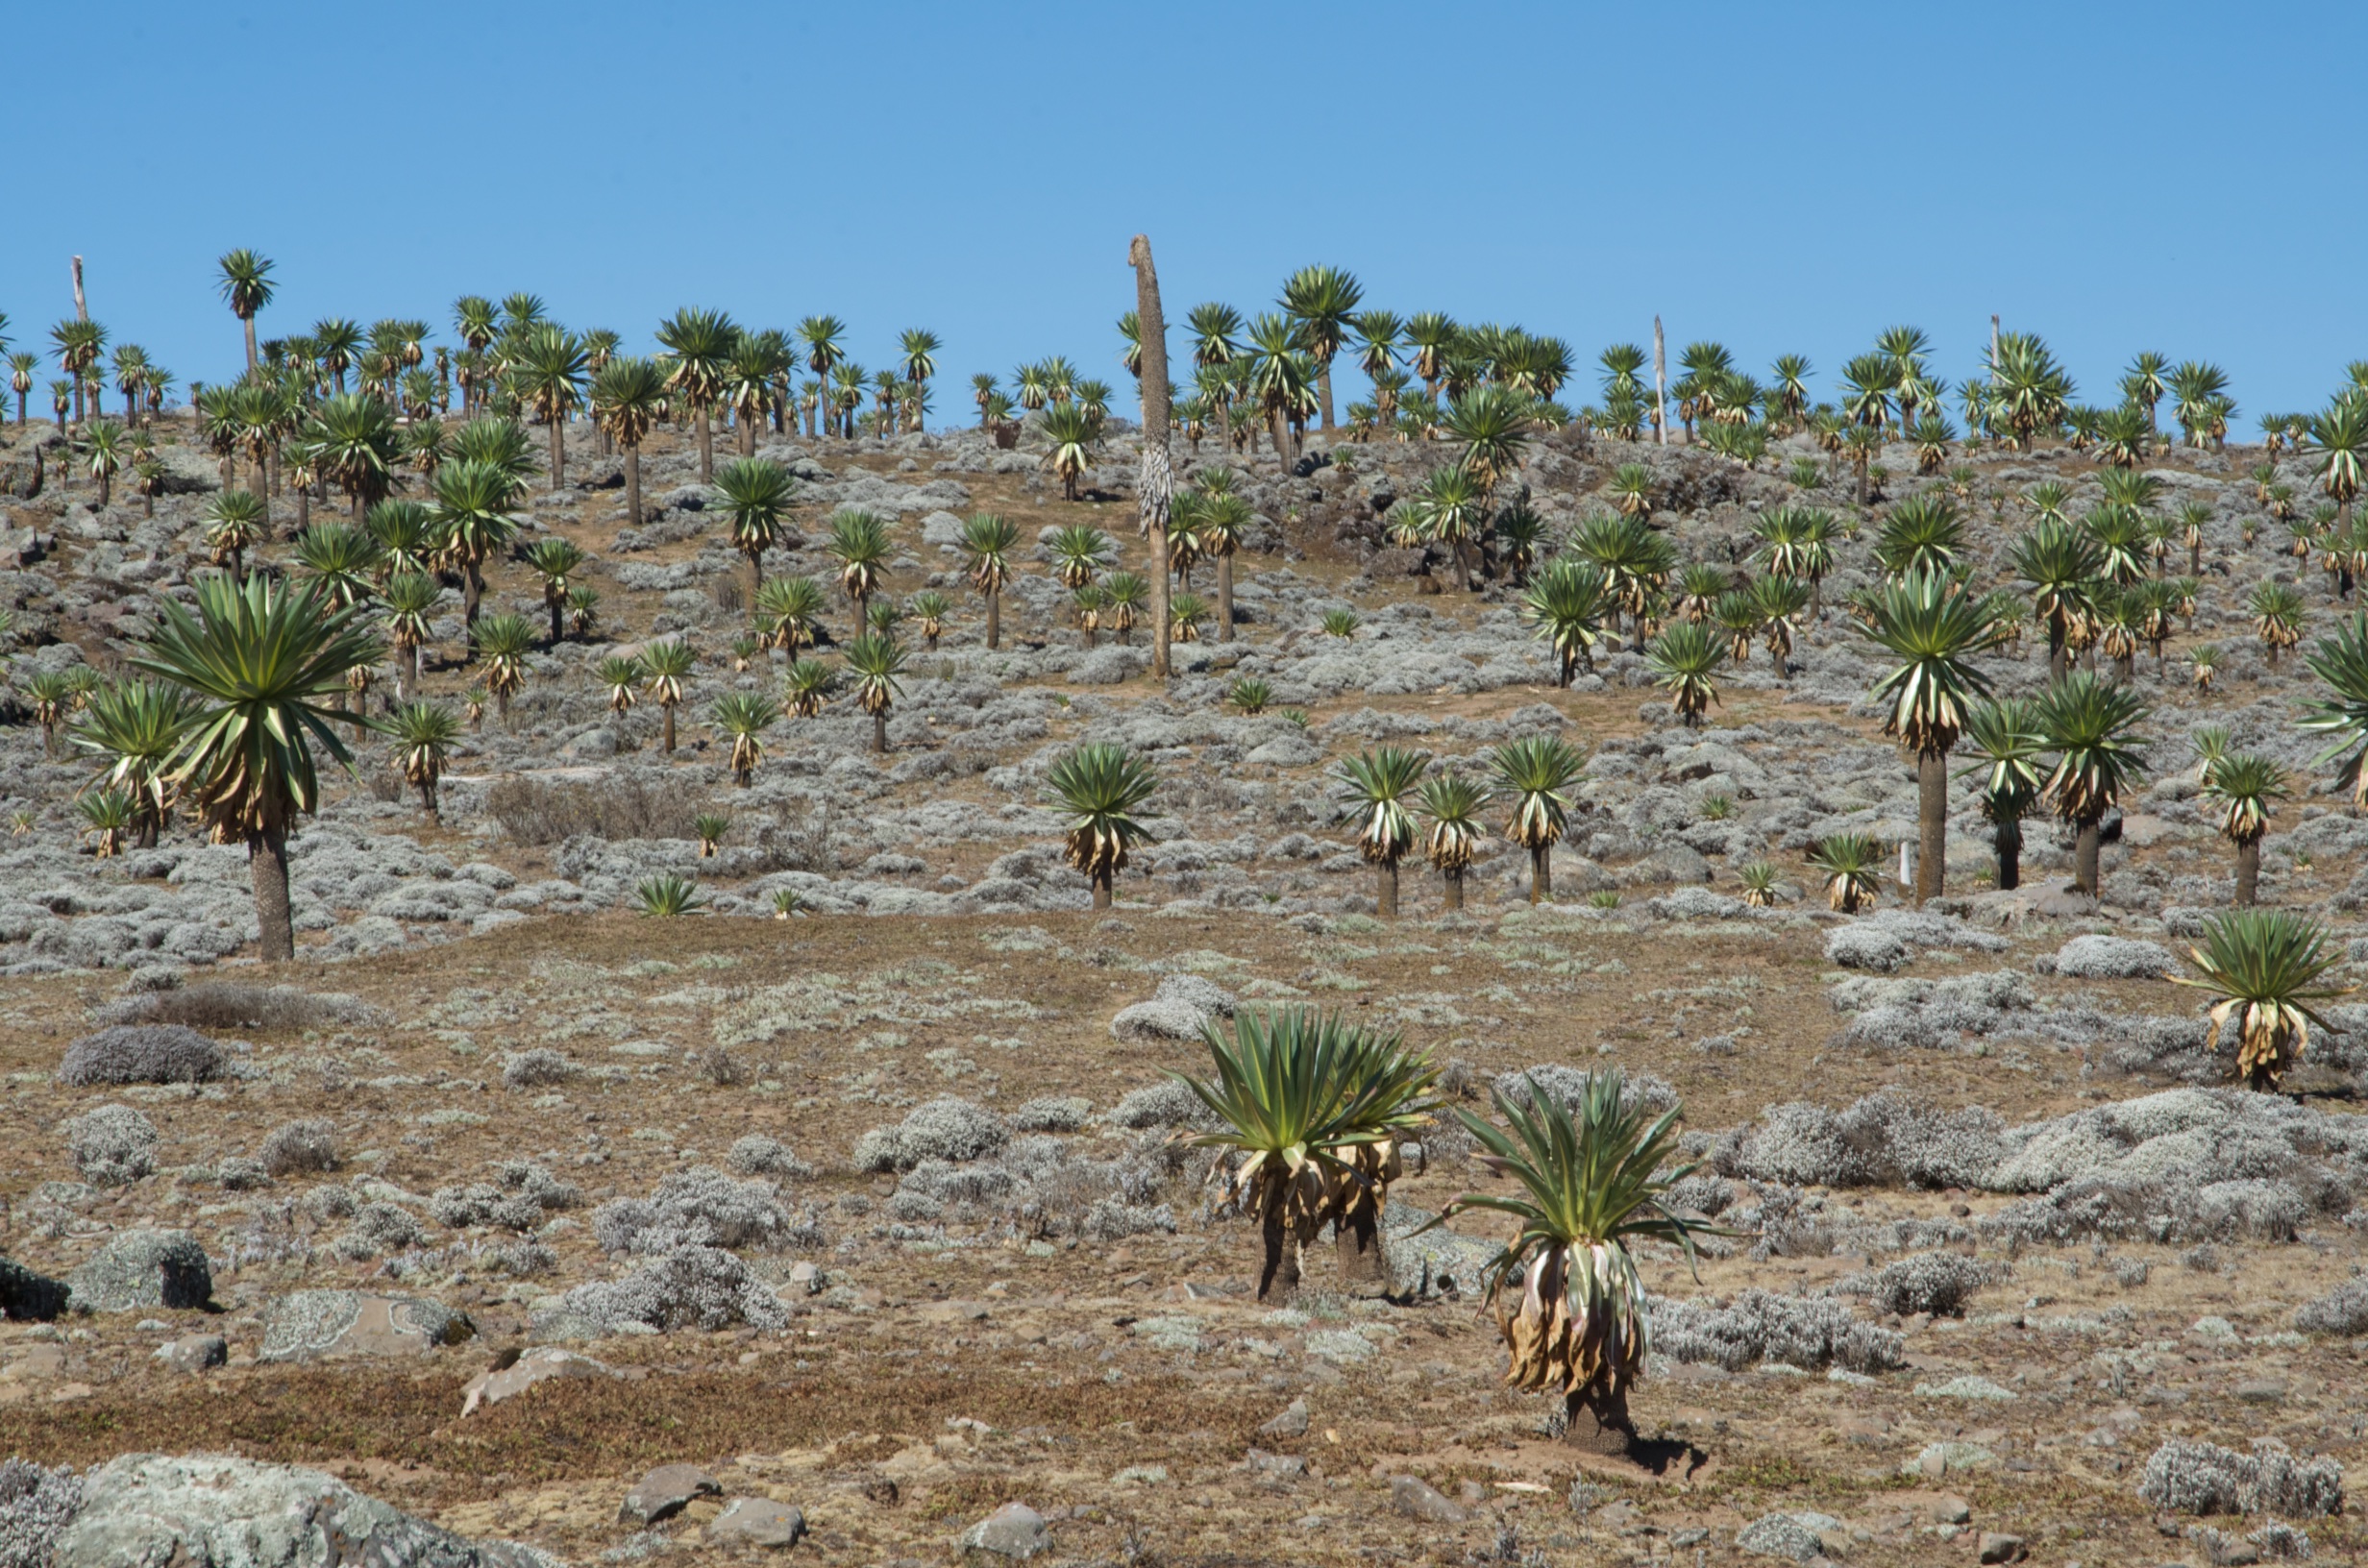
pixel 1931 803
pixel 1153 491
pixel 667 742
pixel 706 445
pixel 1454 883
pixel 1224 597
pixel 2084 875
pixel 1278 1274
pixel 2009 841
pixel 1541 874
pixel 995 621
pixel 633 484
pixel 472 589
pixel 1324 390
pixel 556 631
pixel 2248 870
pixel 1356 1246
pixel 1598 1423
pixel 249 323
pixel 267 866
pixel 1384 887
pixel 879 731
pixel 1102 887
pixel 558 453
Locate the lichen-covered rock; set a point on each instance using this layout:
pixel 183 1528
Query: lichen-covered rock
pixel 341 1325
pixel 211 1510
pixel 28 1297
pixel 144 1268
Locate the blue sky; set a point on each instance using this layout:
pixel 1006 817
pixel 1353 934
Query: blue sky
pixel 1781 178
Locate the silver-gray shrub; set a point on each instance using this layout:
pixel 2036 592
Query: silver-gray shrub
pixel 697 1208
pixel 142 1053
pixel 1808 1332
pixel 2187 1476
pixel 113 1145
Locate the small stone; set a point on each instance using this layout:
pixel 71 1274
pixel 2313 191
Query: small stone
pixel 1288 1466
pixel 1618 1516
pixel 665 1492
pixel 1013 1531
pixel 1948 1509
pixel 1999 1547
pixel 757 1521
pixel 194 1351
pixel 2261 1391
pixel 1779 1535
pixel 1419 1499
pixel 541 1364
pixel 806 1279
pixel 1292 1423
pixel 1937 1460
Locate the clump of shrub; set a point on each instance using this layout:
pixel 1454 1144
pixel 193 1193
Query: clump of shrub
pixel 537 811
pixel 688 1287
pixel 1938 1283
pixel 239 1004
pixel 2343 1310
pixel 113 1145
pixel 2204 1478
pixel 301 1148
pixel 140 1053
pixel 379 1228
pixel 701 1207
pixel 538 1069
pixel 943 1129
pixel 1808 1332
pixel 758 1155
pixel 36 1506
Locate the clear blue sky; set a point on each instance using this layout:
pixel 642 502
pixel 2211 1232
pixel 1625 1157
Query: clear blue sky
pixel 2116 177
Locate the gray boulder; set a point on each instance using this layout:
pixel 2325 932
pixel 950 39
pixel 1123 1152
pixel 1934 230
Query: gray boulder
pixel 1013 1531
pixel 27 1297
pixel 1779 1535
pixel 343 1325
pixel 212 1511
pixel 144 1269
pixel 757 1521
